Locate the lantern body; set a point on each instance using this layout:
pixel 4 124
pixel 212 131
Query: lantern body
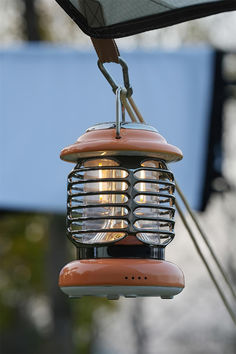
pixel 110 198
pixel 121 214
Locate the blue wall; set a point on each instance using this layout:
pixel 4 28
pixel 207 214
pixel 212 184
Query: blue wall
pixel 50 95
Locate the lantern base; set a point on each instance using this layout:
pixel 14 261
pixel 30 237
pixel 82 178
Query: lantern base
pixel 114 292
pixel 114 277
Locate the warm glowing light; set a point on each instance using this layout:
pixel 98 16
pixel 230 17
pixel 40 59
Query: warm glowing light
pixel 104 201
pixel 100 184
pixel 101 201
pixel 142 187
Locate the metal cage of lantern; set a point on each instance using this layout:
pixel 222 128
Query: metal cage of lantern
pixel 79 225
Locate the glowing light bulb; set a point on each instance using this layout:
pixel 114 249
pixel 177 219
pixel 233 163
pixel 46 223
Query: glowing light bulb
pixel 100 184
pixel 103 193
pixel 142 187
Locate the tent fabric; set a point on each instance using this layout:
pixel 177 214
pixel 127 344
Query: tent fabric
pixel 121 18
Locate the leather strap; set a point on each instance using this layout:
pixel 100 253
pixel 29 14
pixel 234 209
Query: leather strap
pixel 106 50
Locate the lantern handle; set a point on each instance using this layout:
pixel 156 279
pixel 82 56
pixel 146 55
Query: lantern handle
pixel 118 107
pixel 124 94
pixel 112 82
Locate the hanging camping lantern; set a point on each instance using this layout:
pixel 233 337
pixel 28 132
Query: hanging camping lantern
pixel 120 213
pixel 120 208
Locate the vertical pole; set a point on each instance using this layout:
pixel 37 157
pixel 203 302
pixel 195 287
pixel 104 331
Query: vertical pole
pixel 31 21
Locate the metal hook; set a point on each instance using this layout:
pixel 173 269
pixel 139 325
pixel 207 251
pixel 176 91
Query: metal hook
pixel 118 104
pixel 125 77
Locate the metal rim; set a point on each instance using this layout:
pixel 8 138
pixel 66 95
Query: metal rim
pixel 123 125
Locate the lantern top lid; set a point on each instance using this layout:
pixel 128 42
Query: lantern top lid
pixel 136 139
pixel 124 125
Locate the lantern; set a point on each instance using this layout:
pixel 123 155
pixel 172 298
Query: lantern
pixel 120 213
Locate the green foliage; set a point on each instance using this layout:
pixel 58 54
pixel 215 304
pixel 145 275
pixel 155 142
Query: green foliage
pixel 22 244
pixel 84 311
pixel 24 273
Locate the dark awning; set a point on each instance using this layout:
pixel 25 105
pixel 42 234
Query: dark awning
pixel 120 18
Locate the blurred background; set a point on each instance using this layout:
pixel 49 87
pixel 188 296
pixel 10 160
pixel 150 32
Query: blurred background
pixel 35 317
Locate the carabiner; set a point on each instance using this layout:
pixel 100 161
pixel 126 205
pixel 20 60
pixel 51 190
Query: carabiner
pixel 125 77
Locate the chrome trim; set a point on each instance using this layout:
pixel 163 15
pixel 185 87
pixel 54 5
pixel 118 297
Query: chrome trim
pixel 113 292
pixel 123 125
